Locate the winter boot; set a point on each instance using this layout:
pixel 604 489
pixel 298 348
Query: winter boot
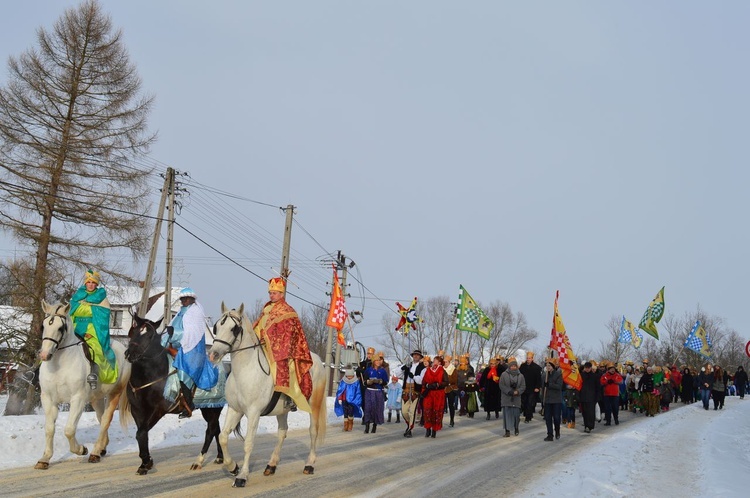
pixel 488 415
pixel 451 422
pixel 507 434
pixel 572 425
pixel 367 428
pixel 398 417
pixel 374 427
pixel 557 432
pixel 433 434
pixel 428 433
pixel 549 438
pixel 187 401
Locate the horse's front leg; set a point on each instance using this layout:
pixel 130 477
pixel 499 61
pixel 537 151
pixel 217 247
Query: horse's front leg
pixel 211 416
pixel 230 422
pixel 77 404
pixel 50 417
pixel 276 455
pixel 141 435
pixel 100 447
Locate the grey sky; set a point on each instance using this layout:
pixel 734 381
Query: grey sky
pixel 516 148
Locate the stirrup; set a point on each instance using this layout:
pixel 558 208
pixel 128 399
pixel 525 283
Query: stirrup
pixel 289 403
pixel 93 380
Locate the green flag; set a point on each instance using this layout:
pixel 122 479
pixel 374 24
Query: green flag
pixel 653 314
pixel 470 317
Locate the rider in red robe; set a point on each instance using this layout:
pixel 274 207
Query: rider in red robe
pixel 281 328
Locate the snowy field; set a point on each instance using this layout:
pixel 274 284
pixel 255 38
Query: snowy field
pixel 684 452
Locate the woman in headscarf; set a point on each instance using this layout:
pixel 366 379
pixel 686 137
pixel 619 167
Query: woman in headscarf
pixel 512 385
pixel 434 383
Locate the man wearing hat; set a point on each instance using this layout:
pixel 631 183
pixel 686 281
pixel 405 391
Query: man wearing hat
pixel 412 386
pixel 589 388
pixel 187 333
pixel 532 373
pixel 89 310
pixel 281 329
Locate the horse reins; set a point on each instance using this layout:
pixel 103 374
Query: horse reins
pixel 238 330
pixel 63 329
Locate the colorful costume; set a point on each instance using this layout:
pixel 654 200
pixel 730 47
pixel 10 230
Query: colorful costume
pixel 393 403
pixel 348 399
pixel 434 382
pixel 376 378
pixel 280 328
pixel 192 363
pixel 90 313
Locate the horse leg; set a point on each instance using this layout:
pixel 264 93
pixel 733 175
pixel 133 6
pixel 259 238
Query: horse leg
pixel 281 435
pixel 100 447
pixel 141 435
pixel 217 431
pixel 50 417
pixel 77 405
pixel 252 428
pixel 318 422
pixel 230 422
pixel 208 416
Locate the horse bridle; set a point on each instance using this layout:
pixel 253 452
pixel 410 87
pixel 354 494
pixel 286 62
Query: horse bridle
pixel 63 329
pixel 141 351
pixel 237 331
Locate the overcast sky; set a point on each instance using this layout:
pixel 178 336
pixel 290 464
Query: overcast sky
pixel 516 148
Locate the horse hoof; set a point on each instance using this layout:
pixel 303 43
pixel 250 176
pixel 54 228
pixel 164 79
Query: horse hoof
pixel 239 483
pixel 308 470
pixel 219 460
pixel 270 470
pixel 104 451
pixel 195 466
pixel 142 471
pixel 235 470
pixel 41 465
pixel 85 451
pixel 94 458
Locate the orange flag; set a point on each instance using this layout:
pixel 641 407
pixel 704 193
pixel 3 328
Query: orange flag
pixel 337 312
pixel 560 343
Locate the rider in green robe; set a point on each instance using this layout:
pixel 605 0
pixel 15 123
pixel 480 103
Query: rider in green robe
pixel 89 309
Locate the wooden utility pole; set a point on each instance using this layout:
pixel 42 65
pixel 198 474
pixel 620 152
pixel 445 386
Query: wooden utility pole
pixel 284 272
pixel 170 241
pixel 143 305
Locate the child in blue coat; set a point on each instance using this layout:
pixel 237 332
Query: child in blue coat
pixel 348 399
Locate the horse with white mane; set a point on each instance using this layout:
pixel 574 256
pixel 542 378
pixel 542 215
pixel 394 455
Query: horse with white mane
pixel 250 392
pixel 62 379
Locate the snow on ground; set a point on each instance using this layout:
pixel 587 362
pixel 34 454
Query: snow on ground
pixel 684 452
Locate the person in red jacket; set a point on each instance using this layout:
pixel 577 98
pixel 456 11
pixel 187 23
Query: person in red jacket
pixel 611 381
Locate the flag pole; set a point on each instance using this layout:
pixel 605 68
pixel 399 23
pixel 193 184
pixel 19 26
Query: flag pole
pixel 678 355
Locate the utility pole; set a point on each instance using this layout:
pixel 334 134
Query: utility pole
pixel 170 240
pixel 332 381
pixel 284 273
pixel 143 305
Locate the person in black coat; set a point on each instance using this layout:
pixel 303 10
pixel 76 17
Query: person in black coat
pixel 532 374
pixel 588 396
pixel 740 381
pixel 688 391
pixel 490 384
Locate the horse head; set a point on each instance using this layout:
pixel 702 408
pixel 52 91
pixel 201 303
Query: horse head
pixel 55 325
pixel 228 330
pixel 143 335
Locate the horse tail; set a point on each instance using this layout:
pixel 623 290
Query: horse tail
pixel 238 431
pixel 319 415
pixel 124 406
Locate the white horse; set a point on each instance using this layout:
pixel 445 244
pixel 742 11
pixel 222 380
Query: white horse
pixel 250 389
pixel 62 379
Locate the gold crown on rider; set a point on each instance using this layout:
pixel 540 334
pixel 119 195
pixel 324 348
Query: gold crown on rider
pixel 276 284
pixel 92 276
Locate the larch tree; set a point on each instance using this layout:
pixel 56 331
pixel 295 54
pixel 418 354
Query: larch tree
pixel 73 123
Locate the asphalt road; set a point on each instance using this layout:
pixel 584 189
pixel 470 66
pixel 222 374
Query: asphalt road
pixel 470 459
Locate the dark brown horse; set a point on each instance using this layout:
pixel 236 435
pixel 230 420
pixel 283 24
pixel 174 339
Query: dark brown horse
pixel 145 400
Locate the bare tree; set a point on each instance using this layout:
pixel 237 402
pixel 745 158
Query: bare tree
pixel 71 123
pixel 313 320
pixel 611 348
pixel 440 323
